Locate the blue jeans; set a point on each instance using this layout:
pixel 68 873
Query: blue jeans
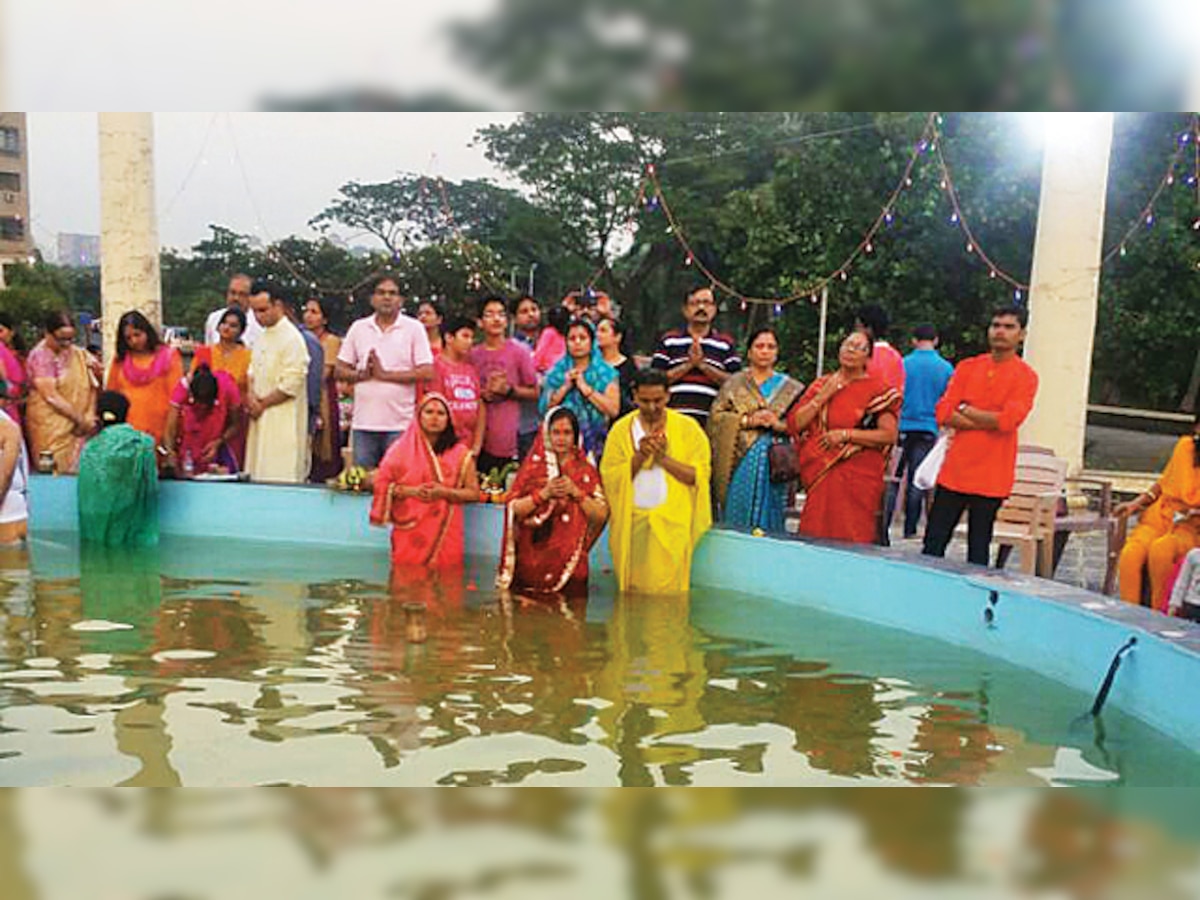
pixel 370 446
pixel 914 447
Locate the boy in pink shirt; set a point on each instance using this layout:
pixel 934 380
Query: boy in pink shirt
pixel 456 379
pixel 506 377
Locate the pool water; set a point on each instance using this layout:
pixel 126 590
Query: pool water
pixel 208 662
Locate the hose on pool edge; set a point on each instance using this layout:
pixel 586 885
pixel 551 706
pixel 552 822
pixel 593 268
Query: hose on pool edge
pixel 1110 676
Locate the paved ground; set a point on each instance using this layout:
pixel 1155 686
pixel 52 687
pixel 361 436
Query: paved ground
pixel 1082 563
pixel 1121 449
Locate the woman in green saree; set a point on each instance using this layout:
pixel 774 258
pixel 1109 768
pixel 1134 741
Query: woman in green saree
pixel 118 480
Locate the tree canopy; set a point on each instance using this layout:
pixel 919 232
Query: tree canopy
pixel 768 202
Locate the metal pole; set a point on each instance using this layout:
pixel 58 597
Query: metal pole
pixel 512 279
pixel 821 330
pixel 532 267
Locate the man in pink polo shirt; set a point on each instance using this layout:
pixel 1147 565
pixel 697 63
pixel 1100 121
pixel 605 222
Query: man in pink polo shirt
pixel 384 356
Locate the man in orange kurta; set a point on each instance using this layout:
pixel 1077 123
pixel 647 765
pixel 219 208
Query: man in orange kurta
pixel 988 398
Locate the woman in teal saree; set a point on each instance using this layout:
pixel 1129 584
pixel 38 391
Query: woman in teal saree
pixel 748 416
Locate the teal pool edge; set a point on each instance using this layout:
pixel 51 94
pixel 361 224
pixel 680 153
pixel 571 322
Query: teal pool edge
pixel 1064 633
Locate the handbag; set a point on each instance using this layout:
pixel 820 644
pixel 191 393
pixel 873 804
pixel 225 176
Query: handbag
pixel 783 461
pixel 926 475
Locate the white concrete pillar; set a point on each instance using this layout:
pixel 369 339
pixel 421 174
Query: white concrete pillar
pixel 129 272
pixel 1066 279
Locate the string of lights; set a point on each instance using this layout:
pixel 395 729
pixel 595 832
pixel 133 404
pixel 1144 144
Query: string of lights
pixel 958 218
pixel 650 197
pixel 629 225
pixel 811 290
pixel 479 276
pixel 1146 218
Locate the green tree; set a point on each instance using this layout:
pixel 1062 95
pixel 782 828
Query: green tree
pixel 775 54
pixel 585 169
pixel 1149 316
pixel 33 291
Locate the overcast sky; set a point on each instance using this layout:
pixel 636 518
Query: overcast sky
pixel 227 54
pixel 293 162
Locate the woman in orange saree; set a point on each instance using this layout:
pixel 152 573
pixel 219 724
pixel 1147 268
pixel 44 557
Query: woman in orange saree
pixel 145 370
pixel 555 513
pixel 844 424
pixel 1168 524
pixel 420 487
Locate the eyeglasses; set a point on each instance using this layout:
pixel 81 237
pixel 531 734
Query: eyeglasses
pixel 387 292
pixel 701 302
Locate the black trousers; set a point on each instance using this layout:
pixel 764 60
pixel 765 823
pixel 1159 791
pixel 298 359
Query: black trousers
pixel 947 509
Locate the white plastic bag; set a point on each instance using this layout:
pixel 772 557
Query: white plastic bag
pixel 927 472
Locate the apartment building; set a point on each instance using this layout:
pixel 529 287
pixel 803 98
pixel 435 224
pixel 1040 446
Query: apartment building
pixel 16 241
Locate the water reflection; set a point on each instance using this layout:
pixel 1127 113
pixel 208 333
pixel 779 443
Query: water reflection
pixel 199 666
pixel 593 843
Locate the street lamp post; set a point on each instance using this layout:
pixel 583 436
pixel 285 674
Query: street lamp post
pixel 532 268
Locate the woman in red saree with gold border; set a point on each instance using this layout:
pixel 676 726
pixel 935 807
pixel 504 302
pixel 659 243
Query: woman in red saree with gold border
pixel 420 487
pixel 845 425
pixel 556 511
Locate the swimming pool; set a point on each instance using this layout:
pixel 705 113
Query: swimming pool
pixel 239 661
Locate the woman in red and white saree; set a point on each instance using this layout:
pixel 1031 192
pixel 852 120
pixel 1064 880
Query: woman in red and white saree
pixel 555 513
pixel 844 425
pixel 420 487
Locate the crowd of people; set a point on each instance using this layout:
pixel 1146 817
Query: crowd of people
pixel 441 399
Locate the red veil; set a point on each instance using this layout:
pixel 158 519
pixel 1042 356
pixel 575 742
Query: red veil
pixel 424 532
pixel 548 551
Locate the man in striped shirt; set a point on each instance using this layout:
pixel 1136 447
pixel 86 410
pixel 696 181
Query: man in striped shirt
pixel 696 358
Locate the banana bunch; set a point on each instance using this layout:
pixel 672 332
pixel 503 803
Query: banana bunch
pixel 352 478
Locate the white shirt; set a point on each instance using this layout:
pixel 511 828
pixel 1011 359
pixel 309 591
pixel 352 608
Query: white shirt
pixel 650 483
pixel 15 507
pixel 249 336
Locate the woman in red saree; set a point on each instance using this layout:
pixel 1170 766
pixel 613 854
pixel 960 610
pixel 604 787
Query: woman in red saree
pixel 845 425
pixel 555 513
pixel 420 487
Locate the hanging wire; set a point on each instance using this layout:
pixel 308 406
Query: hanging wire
pixel 814 286
pixel 165 215
pixel 1146 216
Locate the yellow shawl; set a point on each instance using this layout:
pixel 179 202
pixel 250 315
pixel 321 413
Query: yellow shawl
pixel 676 526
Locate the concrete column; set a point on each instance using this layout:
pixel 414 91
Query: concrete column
pixel 1066 279
pixel 129 273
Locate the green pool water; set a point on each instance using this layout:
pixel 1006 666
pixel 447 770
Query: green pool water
pixel 208 663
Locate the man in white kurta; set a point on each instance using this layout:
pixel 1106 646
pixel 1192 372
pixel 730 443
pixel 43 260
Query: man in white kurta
pixel 277 403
